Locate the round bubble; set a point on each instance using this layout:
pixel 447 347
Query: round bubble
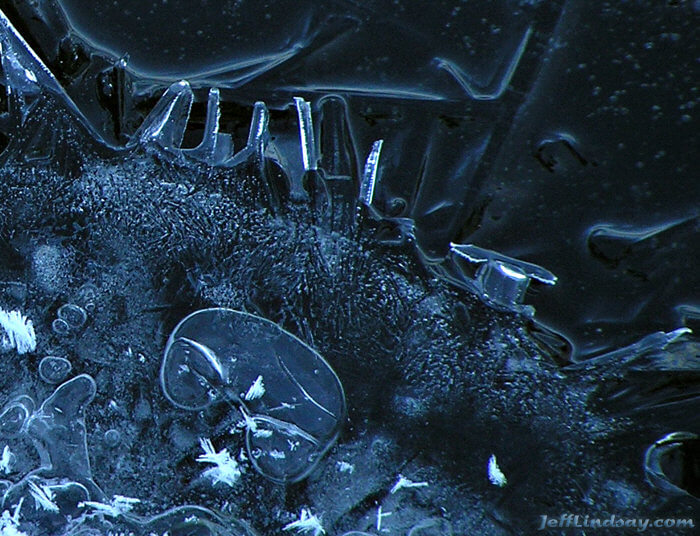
pixel 54 369
pixel 60 327
pixel 112 438
pixel 293 401
pixel 73 315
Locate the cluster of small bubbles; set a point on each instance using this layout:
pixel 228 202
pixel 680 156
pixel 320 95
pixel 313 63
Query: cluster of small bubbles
pixel 54 369
pixel 71 318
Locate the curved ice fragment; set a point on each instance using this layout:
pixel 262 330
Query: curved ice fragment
pixel 494 89
pixel 14 416
pixel 217 354
pixel 179 521
pixel 58 430
pixel 671 464
pixel 192 373
pixel 194 520
pixel 73 315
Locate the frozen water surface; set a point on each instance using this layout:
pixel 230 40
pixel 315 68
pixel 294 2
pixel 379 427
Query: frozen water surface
pixel 395 186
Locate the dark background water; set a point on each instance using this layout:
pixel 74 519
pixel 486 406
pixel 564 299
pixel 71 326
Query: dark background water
pixel 585 164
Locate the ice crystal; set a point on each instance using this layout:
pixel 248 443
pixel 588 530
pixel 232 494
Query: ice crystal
pixel 256 390
pixel 43 497
pixel 496 476
pixel 9 524
pixel 404 482
pixel 119 505
pixel 226 470
pixel 6 460
pixel 307 523
pixel 16 331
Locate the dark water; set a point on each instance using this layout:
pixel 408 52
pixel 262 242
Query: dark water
pixel 560 133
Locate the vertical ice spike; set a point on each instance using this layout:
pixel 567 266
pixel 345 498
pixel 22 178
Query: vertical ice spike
pixel 338 163
pixel 306 135
pixel 256 160
pixel 259 134
pixel 215 146
pixel 116 95
pixel 369 175
pixel 338 160
pixel 165 125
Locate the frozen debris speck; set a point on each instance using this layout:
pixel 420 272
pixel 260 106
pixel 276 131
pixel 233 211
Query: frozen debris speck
pixel 380 517
pixel 248 421
pixel 6 461
pixel 496 476
pixel 256 390
pixel 119 505
pixel 345 467
pixel 226 470
pixel 43 497
pixel 16 331
pixel 307 523
pixel 404 482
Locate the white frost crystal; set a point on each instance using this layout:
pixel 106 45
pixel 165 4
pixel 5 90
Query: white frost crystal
pixel 256 390
pixel 496 476
pixel 226 470
pixel 307 523
pixel 16 331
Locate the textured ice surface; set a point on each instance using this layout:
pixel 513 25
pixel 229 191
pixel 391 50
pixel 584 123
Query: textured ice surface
pixel 139 230
pixel 215 355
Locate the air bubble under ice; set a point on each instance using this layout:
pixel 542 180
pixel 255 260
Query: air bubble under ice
pixel 215 355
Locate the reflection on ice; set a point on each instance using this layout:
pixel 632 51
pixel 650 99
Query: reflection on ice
pixel 496 86
pixel 216 355
pixel 500 281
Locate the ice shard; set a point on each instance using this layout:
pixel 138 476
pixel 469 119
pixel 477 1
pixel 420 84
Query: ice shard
pixel 306 135
pixel 369 174
pixel 499 280
pixel 216 147
pixel 165 125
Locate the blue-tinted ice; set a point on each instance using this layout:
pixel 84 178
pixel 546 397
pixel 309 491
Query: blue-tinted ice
pixel 216 356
